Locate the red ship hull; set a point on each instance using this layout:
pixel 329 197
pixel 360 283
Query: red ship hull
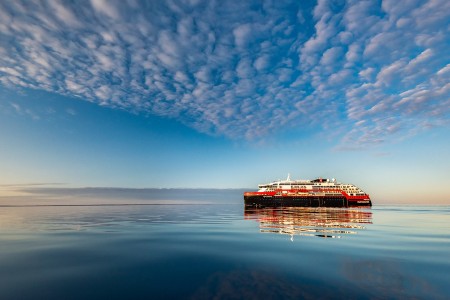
pixel 273 199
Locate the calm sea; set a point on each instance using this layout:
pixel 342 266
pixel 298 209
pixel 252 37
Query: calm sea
pixel 203 244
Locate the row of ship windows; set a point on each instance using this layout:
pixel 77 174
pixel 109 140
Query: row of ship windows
pixel 353 190
pixel 315 186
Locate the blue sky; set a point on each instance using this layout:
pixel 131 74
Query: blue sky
pixel 227 94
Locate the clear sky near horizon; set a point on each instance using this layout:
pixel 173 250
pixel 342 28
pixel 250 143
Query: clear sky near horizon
pixel 226 94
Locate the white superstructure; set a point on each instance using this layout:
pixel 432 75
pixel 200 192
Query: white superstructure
pixel 316 185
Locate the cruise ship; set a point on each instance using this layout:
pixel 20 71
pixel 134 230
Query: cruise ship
pixel 318 192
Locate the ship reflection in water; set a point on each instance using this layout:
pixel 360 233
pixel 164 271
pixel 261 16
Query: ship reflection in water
pixel 310 221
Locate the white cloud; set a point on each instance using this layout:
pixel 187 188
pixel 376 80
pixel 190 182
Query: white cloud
pixel 10 71
pixel 108 8
pixel 240 69
pixel 444 70
pixel 204 74
pixel 367 74
pixel 242 34
pixel 244 69
pixel 354 53
pixel 422 57
pixel 331 55
pixel 64 14
pixel 262 62
pixel 389 73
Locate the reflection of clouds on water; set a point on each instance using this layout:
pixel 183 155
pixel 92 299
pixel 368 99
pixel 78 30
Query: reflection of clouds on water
pixel 305 221
pixel 387 279
pixel 37 207
pixel 111 217
pixel 65 217
pixel 260 284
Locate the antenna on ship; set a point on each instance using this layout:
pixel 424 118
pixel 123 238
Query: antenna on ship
pixel 289 177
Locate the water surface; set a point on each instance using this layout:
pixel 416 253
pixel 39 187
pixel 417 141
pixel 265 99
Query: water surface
pixel 208 246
